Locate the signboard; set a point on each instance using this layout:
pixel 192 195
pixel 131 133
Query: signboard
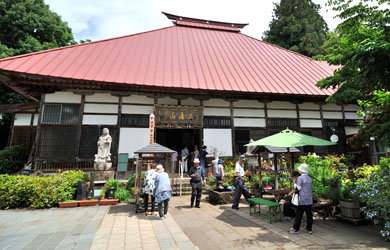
pixel 151 128
pixel 178 116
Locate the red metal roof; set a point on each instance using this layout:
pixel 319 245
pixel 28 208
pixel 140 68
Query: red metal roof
pixel 209 57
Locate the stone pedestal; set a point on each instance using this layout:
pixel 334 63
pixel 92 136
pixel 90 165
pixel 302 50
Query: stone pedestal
pixel 102 175
pixel 102 166
pixel 218 198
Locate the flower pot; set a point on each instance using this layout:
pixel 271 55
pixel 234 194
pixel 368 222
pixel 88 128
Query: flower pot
pixel 350 209
pixel 109 202
pixel 66 204
pixel 84 203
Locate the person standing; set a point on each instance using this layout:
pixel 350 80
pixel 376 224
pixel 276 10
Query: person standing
pixel 149 188
pixel 304 186
pixel 239 183
pixel 197 181
pixel 219 173
pixel 174 159
pixel 288 207
pixel 202 157
pixel 163 191
pixel 184 158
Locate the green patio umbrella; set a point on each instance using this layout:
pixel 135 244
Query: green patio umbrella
pixel 289 138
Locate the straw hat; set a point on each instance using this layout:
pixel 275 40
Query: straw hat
pixel 160 168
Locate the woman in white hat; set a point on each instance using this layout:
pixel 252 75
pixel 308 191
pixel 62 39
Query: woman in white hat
pixel 163 190
pixel 304 186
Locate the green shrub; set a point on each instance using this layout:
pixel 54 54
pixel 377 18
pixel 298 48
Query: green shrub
pixel 112 183
pixel 210 180
pixel 38 192
pixel 131 182
pixel 123 195
pixel 375 192
pixel 12 159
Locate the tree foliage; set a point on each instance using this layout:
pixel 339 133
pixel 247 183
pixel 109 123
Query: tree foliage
pixel 362 48
pixel 298 26
pixel 28 26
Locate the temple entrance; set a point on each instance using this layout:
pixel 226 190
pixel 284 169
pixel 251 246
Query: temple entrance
pixel 178 138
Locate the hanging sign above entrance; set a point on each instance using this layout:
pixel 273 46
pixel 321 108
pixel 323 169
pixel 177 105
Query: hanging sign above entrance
pixel 178 116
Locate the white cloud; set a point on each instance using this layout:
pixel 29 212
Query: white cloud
pixel 101 19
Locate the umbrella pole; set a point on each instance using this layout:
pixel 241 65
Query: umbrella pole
pixel 276 172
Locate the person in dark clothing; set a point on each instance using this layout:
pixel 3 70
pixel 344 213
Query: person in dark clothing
pixel 240 184
pixel 197 181
pixel 288 207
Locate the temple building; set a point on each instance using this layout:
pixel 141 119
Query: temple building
pixel 205 82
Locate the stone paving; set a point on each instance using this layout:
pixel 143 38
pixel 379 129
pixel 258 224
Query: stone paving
pixel 56 228
pixel 208 227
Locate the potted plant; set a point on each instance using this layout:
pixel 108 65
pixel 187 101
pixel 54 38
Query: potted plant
pixel 111 187
pixel 68 203
pixel 350 201
pixel 109 201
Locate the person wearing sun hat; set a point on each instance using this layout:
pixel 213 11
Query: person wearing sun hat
pixel 163 190
pixel 304 185
pixel 197 181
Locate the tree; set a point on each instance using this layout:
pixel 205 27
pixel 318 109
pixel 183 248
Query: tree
pixel 297 26
pixel 29 25
pixel 363 51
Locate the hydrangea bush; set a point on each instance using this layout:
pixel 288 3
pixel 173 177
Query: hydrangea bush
pixel 375 192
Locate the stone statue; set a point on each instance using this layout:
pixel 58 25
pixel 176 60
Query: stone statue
pixel 103 157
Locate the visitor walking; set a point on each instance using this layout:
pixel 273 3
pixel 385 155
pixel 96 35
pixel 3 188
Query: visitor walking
pixel 304 186
pixel 184 158
pixel 163 191
pixel 174 159
pixel 149 187
pixel 219 172
pixel 240 183
pixel 197 181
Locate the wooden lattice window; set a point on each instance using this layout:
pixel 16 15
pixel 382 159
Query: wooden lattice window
pixel 58 143
pixel 132 120
pixel 216 122
pixel 282 123
pixel 61 114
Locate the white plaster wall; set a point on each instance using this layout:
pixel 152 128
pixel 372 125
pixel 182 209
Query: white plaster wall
pixel 133 109
pixel 22 119
pixel 216 111
pixel 249 112
pixel 218 140
pixel 137 99
pixel 331 106
pixel 190 102
pixel 132 139
pixel 101 108
pixel 249 122
pixel 101 97
pixel 352 116
pixel 63 97
pixel 100 119
pixel 281 105
pixel 351 130
pixel 332 115
pixel 216 102
pixel 309 105
pixel 309 114
pixel 167 101
pixel 282 113
pixel 248 103
pixel 352 107
pixel 36 117
pixel 310 123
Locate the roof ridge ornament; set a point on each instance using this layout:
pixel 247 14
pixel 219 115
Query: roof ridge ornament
pixel 205 24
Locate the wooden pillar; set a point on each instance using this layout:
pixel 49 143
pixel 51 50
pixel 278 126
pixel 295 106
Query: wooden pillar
pixel 35 149
pixel 79 125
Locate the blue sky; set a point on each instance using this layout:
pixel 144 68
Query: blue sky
pixel 102 19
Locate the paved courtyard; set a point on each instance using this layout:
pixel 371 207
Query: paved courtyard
pixel 210 227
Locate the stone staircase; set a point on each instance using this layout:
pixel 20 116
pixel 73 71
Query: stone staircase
pixel 185 186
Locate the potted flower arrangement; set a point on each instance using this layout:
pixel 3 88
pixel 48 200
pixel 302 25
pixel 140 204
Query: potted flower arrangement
pixel 111 187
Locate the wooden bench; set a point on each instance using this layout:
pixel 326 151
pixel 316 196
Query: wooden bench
pixel 273 208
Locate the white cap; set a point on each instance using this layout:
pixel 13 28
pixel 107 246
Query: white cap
pixel 303 168
pixel 160 168
pixel 196 160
